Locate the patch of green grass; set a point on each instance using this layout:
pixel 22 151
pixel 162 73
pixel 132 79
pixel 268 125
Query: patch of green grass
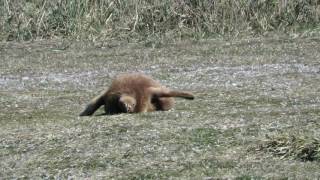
pixel 210 164
pixel 152 174
pixel 247 177
pixel 98 162
pixel 204 136
pixel 201 168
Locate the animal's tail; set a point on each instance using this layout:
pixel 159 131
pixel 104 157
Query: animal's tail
pixel 161 92
pixel 93 105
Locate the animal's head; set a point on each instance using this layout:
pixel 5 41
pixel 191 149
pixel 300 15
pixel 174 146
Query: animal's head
pixel 127 103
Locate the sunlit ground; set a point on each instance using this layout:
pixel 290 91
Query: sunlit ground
pixel 256 112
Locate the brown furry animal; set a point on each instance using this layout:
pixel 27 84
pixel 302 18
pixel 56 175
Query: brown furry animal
pixel 134 93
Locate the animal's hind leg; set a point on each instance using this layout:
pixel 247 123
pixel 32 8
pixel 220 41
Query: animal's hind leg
pixel 163 104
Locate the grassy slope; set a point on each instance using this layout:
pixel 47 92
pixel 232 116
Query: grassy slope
pixel 257 104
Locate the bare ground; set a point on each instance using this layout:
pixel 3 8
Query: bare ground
pixel 256 112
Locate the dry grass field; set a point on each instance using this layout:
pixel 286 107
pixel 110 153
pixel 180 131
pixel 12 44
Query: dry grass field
pixel 255 116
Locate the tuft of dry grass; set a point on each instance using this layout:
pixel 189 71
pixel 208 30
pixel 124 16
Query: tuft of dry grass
pixel 140 19
pixel 292 146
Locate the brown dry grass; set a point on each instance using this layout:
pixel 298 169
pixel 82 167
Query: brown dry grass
pixel 105 19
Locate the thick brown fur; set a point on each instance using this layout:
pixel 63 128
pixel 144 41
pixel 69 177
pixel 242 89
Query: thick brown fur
pixel 134 93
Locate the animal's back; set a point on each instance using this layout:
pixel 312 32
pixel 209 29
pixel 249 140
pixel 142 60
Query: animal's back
pixel 135 85
pixel 132 83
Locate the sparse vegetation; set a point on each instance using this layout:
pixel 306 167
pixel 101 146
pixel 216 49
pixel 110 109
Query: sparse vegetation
pixel 141 19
